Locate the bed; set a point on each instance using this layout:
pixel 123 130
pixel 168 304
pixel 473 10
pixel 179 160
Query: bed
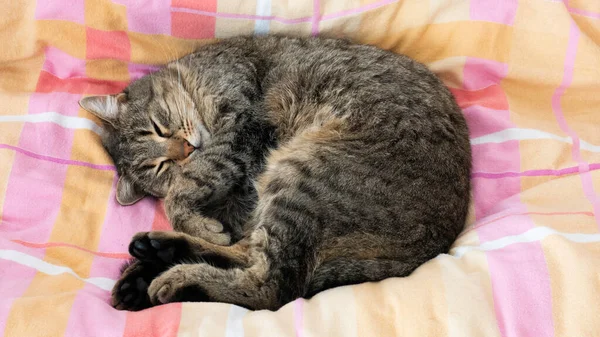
pixel 525 72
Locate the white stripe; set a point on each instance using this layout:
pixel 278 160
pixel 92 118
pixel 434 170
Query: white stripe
pixel 526 134
pixel 532 235
pixel 51 269
pixel 235 326
pixel 263 8
pixel 496 137
pixel 68 122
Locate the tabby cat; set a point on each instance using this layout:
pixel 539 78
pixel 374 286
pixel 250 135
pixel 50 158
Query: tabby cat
pixel 288 166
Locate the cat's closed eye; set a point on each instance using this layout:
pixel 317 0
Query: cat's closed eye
pixel 163 165
pixel 159 130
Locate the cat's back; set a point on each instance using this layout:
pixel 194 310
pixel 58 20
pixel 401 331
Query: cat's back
pixel 376 134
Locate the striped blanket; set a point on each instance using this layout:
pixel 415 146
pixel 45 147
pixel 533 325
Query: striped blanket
pixel 525 72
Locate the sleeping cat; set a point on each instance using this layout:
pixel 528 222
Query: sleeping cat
pixel 288 166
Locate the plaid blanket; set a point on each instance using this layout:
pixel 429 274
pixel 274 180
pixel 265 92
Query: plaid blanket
pixel 525 72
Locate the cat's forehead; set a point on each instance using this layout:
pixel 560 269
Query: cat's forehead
pixel 153 87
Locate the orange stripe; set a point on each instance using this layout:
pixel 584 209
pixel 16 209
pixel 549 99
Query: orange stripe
pixel 67 245
pixel 204 319
pixel 64 35
pixel 492 97
pixel 44 308
pixel 161 321
pixel 410 306
pixel 50 83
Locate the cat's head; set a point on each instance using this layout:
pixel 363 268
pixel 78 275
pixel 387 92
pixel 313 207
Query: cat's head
pixel 150 129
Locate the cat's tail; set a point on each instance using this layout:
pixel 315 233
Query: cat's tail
pixel 343 271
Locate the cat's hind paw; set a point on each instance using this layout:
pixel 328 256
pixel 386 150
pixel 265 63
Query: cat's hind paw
pixel 131 290
pixel 177 284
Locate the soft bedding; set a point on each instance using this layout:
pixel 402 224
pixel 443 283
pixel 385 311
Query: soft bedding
pixel 525 72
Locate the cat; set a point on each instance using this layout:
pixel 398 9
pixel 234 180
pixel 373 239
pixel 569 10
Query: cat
pixel 288 166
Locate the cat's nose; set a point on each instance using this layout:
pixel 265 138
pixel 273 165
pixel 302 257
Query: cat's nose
pixel 187 149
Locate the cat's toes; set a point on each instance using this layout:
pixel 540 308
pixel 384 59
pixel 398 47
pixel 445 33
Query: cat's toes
pixel 175 285
pixel 131 291
pixel 158 247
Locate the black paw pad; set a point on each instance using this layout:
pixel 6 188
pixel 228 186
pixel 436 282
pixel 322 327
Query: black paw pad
pixel 131 292
pixel 165 251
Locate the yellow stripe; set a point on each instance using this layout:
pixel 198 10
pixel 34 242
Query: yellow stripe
pixel 67 36
pixel 414 306
pixel 44 308
pixel 279 323
pixel 203 319
pixel 574 270
pixel 469 295
pixel 160 49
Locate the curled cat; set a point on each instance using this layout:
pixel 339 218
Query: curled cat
pixel 288 166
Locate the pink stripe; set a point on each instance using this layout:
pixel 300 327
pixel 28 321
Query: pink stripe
pixel 521 290
pixel 63 65
pixel 484 121
pixel 316 17
pixel 584 168
pixel 340 14
pixel 120 224
pixel 242 16
pixel 70 10
pixel 584 13
pixel 148 16
pixel 30 181
pixel 497 217
pixel 520 279
pixel 138 70
pixel 535 173
pixel 12 287
pixel 57 160
pixel 486 158
pixel 299 317
pixel 481 73
pixel 358 10
pixel 36 180
pixel 488 193
pixel 91 314
pixel 503 226
pixel 520 282
pixel 503 11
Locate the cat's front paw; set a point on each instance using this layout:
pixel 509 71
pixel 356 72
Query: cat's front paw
pixel 131 291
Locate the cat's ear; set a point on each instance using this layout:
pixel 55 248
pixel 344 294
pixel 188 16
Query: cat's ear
pixel 127 193
pixel 104 107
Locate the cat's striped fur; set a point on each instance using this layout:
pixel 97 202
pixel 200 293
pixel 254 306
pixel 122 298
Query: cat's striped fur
pixel 293 165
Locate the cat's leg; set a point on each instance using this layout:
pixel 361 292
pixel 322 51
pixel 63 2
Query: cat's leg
pixel 167 247
pixel 131 290
pixel 156 251
pixel 250 282
pixel 205 183
pixel 244 287
pixel 184 215
pixel 347 271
